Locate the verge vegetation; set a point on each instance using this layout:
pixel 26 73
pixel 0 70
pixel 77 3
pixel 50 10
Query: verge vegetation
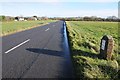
pixel 16 26
pixel 84 40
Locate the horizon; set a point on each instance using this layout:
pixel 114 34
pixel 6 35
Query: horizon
pixel 59 17
pixel 60 9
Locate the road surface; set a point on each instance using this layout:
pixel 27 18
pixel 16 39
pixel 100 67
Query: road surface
pixel 40 52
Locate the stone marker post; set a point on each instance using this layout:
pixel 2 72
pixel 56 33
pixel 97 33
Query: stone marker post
pixel 106 47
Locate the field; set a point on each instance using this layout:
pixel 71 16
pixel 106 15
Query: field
pixel 84 41
pixel 16 26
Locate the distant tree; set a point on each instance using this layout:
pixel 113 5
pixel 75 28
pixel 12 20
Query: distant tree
pixel 93 18
pixel 2 18
pixel 16 18
pixel 26 18
pixel 44 18
pixel 9 18
pixel 112 18
pixel 86 18
pixel 35 16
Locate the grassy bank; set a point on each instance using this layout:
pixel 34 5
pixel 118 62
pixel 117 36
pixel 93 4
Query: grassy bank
pixel 84 39
pixel 16 26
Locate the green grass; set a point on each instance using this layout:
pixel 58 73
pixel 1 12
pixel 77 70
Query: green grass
pixel 15 26
pixel 84 39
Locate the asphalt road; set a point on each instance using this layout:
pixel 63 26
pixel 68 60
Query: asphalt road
pixel 40 52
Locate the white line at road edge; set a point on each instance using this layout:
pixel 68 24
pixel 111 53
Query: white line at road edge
pixel 47 29
pixel 17 46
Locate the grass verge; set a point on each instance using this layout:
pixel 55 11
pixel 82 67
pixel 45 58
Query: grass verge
pixel 84 41
pixel 17 26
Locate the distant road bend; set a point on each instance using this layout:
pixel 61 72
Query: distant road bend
pixel 40 52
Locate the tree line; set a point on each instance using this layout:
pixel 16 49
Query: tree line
pixel 92 18
pixel 86 18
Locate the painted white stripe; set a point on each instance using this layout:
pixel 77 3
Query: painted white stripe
pixel 17 46
pixel 47 29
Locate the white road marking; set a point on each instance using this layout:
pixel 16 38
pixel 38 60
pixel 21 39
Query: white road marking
pixel 17 46
pixel 47 29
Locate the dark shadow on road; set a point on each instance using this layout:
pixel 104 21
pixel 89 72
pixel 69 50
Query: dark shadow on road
pixel 46 52
pixel 64 63
pixel 66 70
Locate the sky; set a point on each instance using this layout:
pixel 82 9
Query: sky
pixel 57 8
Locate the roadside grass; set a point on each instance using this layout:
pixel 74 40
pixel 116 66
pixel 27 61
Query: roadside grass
pixel 84 41
pixel 16 26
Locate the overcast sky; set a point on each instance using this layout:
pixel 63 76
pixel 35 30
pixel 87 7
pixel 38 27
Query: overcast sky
pixel 59 8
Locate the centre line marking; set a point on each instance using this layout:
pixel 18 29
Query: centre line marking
pixel 47 29
pixel 17 46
